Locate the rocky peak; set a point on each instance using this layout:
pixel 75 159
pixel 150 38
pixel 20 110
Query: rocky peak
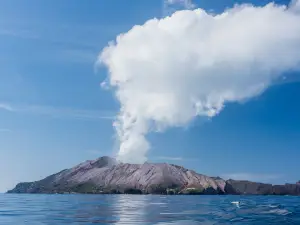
pixel 105 161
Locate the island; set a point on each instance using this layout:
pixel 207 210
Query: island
pixel 107 176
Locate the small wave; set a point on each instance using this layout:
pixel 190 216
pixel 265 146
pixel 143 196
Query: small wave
pixel 282 212
pixel 237 219
pixel 175 213
pixel 273 206
pixel 185 222
pixel 157 203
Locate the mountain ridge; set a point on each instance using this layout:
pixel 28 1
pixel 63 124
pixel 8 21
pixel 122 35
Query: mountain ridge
pixel 107 176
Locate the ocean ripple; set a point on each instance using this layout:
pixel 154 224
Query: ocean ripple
pixel 147 209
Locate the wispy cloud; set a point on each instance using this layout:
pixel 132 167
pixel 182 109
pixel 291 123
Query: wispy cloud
pixel 77 55
pixel 252 176
pixel 187 4
pixel 57 112
pixel 290 78
pixel 65 34
pixel 170 158
pixel 20 33
pixel 5 107
pixel 68 50
pixel 70 43
pixel 170 6
pixel 5 130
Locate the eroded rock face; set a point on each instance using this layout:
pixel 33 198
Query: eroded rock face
pixel 287 189
pixel 106 175
pixel 247 187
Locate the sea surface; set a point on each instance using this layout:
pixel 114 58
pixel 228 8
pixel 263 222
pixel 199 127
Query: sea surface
pixel 147 209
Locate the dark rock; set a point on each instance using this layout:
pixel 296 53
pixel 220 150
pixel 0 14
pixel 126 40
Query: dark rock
pixel 247 187
pixel 255 188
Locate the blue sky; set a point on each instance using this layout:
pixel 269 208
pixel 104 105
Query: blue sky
pixel 54 114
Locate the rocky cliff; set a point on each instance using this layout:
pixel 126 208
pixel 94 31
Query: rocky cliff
pixel 105 175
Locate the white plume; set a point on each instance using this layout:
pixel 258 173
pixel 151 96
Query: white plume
pixel 171 70
pixel 295 5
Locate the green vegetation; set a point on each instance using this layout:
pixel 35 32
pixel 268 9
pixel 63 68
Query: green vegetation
pixel 193 191
pixel 87 188
pixel 173 191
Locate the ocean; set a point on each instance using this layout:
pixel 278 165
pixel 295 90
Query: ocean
pixel 147 209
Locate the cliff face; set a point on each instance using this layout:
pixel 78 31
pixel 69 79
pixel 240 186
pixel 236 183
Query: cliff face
pixel 105 175
pixel 254 188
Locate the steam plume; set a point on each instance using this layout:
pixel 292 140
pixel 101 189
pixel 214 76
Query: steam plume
pixel 169 71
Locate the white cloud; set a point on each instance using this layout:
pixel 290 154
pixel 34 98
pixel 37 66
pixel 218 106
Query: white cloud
pixel 104 85
pixel 252 176
pixel 57 112
pixel 169 71
pixel 295 5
